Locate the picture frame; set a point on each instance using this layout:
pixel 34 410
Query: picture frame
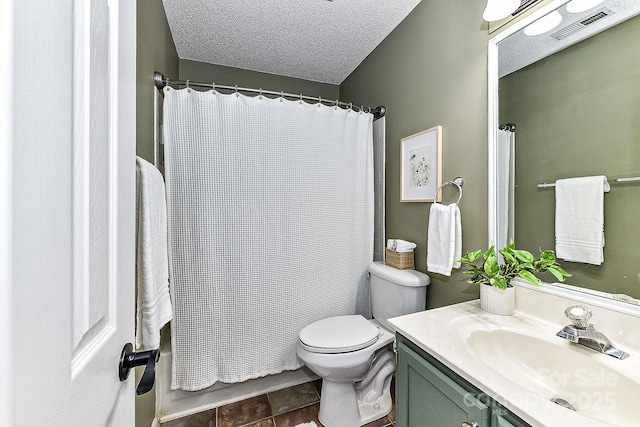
pixel 421 166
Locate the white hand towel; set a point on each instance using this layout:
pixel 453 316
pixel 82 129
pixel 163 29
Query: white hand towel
pixel 309 424
pixel 153 309
pixel 444 239
pixel 580 219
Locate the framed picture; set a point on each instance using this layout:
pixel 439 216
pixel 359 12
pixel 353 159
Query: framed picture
pixel 421 166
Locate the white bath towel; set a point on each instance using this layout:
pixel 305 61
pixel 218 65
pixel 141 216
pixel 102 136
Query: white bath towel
pixel 153 309
pixel 309 424
pixel 444 239
pixel 580 219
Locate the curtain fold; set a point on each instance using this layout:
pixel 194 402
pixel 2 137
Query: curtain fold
pixel 270 212
pixel 506 188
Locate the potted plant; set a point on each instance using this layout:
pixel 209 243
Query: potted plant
pixel 496 293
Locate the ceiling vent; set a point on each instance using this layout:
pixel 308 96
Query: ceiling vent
pixel 580 25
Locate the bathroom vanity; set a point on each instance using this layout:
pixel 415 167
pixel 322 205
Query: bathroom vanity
pixel 461 366
pixel 430 394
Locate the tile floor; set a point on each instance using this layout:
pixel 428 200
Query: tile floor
pixel 283 408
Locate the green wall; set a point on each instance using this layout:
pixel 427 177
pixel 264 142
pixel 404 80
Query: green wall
pixel 155 52
pixel 432 70
pixel 578 113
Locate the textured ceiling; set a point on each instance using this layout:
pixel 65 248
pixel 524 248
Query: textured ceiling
pixel 520 50
pixel 316 40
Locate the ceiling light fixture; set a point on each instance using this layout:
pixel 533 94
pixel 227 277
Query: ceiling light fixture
pixel 577 6
pixel 544 24
pixel 498 9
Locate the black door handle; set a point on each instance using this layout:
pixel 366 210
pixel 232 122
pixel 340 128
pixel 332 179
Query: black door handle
pixel 130 359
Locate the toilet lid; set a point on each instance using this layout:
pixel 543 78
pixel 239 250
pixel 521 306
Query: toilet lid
pixel 339 334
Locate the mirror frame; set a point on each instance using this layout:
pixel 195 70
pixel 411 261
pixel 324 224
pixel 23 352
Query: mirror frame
pixel 492 199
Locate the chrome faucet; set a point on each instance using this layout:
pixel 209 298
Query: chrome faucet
pixel 583 333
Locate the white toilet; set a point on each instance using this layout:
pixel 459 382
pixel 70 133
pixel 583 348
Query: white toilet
pixel 354 355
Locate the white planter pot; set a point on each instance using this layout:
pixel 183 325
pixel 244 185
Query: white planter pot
pixel 498 301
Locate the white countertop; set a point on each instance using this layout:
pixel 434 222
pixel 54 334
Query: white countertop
pixel 442 333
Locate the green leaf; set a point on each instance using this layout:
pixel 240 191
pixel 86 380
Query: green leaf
pixel 491 252
pixel 491 266
pixel 523 255
pixel 526 266
pixel 529 277
pixel 548 257
pixel 471 257
pixel 508 257
pixel 540 266
pixel 499 282
pixel 558 272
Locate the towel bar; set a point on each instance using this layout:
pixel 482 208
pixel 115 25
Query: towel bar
pixel 611 181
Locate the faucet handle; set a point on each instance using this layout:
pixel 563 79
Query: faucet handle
pixel 579 316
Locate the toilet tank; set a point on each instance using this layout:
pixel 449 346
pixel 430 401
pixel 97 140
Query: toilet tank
pixel 396 292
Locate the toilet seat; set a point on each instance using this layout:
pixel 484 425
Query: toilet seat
pixel 339 334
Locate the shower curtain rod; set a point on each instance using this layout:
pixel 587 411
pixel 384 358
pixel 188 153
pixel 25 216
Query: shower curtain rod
pixel 161 81
pixel 511 127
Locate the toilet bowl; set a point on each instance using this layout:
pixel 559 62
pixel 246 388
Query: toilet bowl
pixel 354 356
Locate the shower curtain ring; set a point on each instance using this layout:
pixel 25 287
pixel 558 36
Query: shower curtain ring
pixel 260 96
pixel 350 106
pixel 213 86
pixel 237 94
pixel 300 99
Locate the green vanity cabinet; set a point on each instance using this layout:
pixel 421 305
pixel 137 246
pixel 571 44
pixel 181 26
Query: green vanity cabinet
pixel 498 420
pixel 428 394
pixel 426 397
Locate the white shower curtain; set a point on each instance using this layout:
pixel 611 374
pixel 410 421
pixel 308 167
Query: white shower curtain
pixel 270 209
pixel 506 187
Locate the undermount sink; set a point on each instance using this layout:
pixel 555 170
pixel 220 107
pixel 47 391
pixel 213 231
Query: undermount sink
pixel 594 385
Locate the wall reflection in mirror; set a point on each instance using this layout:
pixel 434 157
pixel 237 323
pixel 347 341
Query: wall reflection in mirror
pixel 577 113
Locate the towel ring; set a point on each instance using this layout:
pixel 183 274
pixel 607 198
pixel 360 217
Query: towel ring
pixel 457 182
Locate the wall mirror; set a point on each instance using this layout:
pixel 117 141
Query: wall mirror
pixel 573 93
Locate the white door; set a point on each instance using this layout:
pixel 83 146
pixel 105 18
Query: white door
pixel 67 211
